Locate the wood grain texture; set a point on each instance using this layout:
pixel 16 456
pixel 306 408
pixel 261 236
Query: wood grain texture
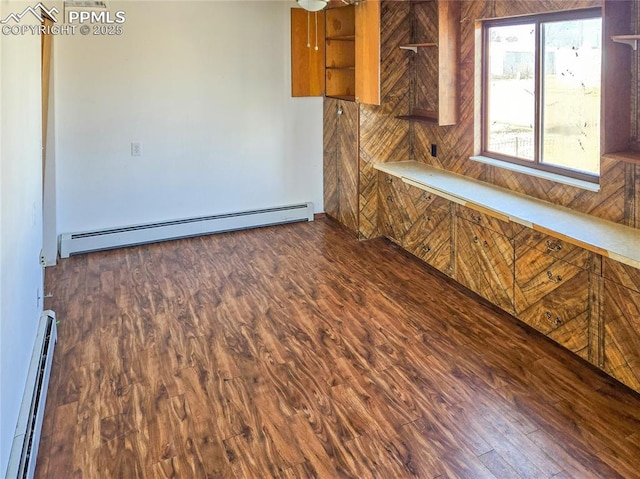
pixel 485 263
pixel 216 357
pixel 307 63
pixel 621 312
pixel 382 136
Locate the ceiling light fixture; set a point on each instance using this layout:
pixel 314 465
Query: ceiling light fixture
pixel 313 5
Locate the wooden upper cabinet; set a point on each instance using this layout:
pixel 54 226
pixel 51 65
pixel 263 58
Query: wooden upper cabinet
pixel 307 63
pixel 352 62
pixel 368 52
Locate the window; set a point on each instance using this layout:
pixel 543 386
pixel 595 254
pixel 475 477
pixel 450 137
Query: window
pixel 541 92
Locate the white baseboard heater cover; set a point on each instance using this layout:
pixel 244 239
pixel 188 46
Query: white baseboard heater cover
pixel 74 243
pixel 24 451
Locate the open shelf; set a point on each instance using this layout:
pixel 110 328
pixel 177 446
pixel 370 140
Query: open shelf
pixel 424 116
pixel 343 38
pixel 627 156
pixel 343 97
pixel 631 40
pixel 414 46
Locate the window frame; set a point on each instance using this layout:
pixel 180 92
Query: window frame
pixel 537 20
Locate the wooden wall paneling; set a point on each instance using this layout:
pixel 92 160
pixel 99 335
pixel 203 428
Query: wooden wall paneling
pixel 348 168
pixel 382 137
pixel 330 157
pixel 307 63
pixel 621 311
pixel 552 296
pixel 485 263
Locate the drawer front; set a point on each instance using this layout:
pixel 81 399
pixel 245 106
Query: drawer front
pixel 429 238
pixel 391 218
pixel 484 263
pixel 425 201
pixel 557 305
pixel 506 228
pixel 529 239
pixel 620 273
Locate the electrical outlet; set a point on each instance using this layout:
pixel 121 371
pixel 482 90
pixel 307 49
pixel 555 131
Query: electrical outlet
pixel 434 150
pixel 136 149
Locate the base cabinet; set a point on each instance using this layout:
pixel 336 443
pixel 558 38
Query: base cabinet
pixel 621 321
pixel 340 157
pixel 553 295
pixel 484 262
pixel 391 217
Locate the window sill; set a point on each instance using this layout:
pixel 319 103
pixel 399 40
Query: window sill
pixel 566 180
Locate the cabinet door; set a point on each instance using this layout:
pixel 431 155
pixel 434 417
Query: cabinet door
pixel 347 164
pixel 307 62
pixel 621 315
pixel 552 296
pixel 330 157
pixel 484 263
pixel 391 208
pixel 368 52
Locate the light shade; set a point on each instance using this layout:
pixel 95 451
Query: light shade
pixel 313 5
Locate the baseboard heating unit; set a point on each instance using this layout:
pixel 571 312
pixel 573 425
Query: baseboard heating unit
pixel 74 243
pixel 24 451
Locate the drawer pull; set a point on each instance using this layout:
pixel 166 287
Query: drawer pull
pixel 555 322
pixel 552 278
pixel 477 218
pixel 428 218
pixel 389 179
pixel 426 249
pixel 553 247
pixel 475 239
pixel 390 198
pixel 425 196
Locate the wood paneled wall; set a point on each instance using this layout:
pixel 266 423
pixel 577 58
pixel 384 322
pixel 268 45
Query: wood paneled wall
pixel 383 138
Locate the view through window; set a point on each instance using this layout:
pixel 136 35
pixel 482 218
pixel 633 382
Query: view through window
pixel 541 102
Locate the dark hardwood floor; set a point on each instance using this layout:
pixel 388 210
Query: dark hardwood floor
pixel 298 352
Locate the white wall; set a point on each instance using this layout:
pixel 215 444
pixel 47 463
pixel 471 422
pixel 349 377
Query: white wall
pixel 20 219
pixel 205 88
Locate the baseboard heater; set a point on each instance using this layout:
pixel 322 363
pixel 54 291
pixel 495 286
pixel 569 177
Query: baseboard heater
pixel 24 451
pixel 74 243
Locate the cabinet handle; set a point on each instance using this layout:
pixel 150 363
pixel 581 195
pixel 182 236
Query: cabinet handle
pixel 389 179
pixel 390 199
pixel 552 278
pixel 553 247
pixel 555 322
pixel 475 239
pixel 426 196
pixel 476 218
pixel 426 249
pixel 428 218
pixel 340 110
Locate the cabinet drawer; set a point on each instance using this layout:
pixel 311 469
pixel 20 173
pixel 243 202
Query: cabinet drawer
pixel 529 239
pixel 425 201
pixel 392 211
pixel 506 228
pixel 623 274
pixel 429 238
pixel 484 263
pixel 554 299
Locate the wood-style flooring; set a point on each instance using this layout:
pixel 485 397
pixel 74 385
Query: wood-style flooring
pixel 298 352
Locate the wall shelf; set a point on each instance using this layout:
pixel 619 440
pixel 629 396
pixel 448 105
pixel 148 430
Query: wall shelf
pixel 414 46
pixel 631 40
